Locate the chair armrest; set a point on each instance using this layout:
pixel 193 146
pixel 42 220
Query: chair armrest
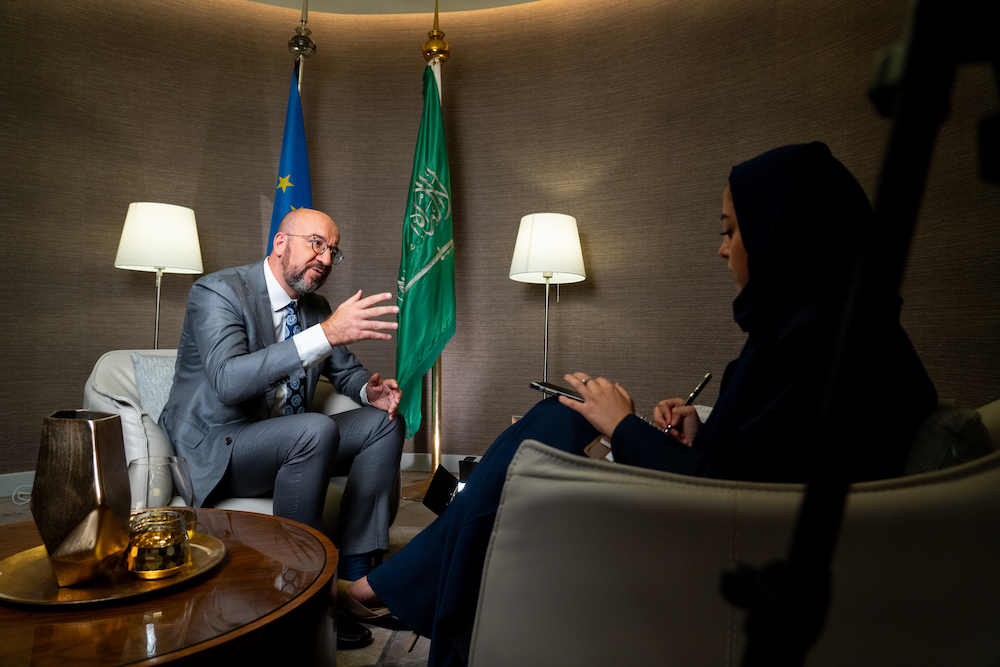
pixel 586 556
pixel 329 401
pixel 111 388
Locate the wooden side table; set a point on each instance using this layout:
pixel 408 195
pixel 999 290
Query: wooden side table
pixel 267 602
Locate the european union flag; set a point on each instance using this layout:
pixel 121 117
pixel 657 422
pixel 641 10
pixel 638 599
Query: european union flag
pixel 293 190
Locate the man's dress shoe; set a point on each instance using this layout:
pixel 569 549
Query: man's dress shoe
pixel 350 633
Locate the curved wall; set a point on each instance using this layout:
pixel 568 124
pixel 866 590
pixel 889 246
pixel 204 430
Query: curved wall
pixel 626 115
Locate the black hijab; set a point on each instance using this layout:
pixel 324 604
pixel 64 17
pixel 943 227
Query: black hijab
pixel 801 216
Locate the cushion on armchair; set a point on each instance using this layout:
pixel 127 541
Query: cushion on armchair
pixel 154 375
pixel 949 436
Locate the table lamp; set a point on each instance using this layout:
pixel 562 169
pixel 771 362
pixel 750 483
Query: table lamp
pixel 547 251
pixel 161 238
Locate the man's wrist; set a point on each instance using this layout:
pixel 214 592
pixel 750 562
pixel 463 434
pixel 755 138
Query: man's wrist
pixel 329 332
pixel 312 346
pixel 364 395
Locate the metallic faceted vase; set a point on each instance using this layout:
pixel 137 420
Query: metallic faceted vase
pixel 80 499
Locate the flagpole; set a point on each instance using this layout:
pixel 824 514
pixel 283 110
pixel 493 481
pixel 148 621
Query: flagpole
pixel 293 189
pixel 436 52
pixel 301 44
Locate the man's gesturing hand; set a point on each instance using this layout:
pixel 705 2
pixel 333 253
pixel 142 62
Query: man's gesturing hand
pixel 353 320
pixel 384 395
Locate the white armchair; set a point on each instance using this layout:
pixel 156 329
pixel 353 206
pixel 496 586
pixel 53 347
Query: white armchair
pixel 592 563
pixel 134 384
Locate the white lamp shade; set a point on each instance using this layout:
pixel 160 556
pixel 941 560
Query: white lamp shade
pixel 159 236
pixel 547 244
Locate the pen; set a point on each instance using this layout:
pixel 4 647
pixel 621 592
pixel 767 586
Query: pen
pixel 693 395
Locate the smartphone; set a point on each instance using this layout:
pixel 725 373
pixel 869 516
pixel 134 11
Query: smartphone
pixel 554 390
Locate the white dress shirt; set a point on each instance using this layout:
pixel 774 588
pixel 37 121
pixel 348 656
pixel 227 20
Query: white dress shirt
pixel 311 343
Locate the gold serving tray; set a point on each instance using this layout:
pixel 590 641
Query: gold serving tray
pixel 27 578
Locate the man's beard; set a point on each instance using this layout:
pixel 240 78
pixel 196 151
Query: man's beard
pixel 298 281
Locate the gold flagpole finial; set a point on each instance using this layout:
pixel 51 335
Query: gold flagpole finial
pixel 301 44
pixel 436 47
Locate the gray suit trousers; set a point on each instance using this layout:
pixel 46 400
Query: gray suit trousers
pixel 296 455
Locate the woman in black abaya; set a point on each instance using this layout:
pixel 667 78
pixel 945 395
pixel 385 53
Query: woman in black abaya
pixel 792 219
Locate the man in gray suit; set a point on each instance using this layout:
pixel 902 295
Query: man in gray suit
pixel 255 340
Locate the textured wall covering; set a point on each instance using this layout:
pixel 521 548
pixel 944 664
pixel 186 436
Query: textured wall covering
pixel 626 115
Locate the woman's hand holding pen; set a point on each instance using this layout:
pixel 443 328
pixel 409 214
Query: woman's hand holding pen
pixel 605 404
pixel 682 418
pixel 678 417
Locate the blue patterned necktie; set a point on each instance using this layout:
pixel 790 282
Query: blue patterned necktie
pixel 295 390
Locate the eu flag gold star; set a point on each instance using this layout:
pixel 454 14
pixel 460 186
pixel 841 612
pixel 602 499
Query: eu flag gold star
pixel 292 207
pixel 285 182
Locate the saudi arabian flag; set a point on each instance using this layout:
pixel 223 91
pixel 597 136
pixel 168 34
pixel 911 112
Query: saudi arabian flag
pixel 426 292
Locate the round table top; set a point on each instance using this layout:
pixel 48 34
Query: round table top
pixel 272 565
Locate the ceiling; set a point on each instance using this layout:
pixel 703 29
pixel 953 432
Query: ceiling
pixel 391 6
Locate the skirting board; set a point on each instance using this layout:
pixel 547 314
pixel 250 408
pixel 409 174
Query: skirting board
pixel 11 481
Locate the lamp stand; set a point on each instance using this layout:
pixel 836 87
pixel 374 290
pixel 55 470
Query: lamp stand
pixel 156 328
pixel 545 345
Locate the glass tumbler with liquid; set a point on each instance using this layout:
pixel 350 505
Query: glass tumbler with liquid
pixel 158 544
pixel 163 482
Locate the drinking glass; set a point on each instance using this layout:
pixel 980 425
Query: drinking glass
pixel 158 544
pixel 163 482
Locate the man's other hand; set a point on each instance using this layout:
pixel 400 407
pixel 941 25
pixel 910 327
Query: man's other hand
pixel 354 320
pixel 384 395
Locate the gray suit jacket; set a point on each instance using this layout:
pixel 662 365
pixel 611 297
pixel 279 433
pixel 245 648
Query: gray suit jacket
pixel 229 365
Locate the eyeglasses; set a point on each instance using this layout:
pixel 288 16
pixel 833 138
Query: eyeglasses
pixel 319 246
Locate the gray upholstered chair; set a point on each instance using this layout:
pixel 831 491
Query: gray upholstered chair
pixel 135 384
pixel 593 563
